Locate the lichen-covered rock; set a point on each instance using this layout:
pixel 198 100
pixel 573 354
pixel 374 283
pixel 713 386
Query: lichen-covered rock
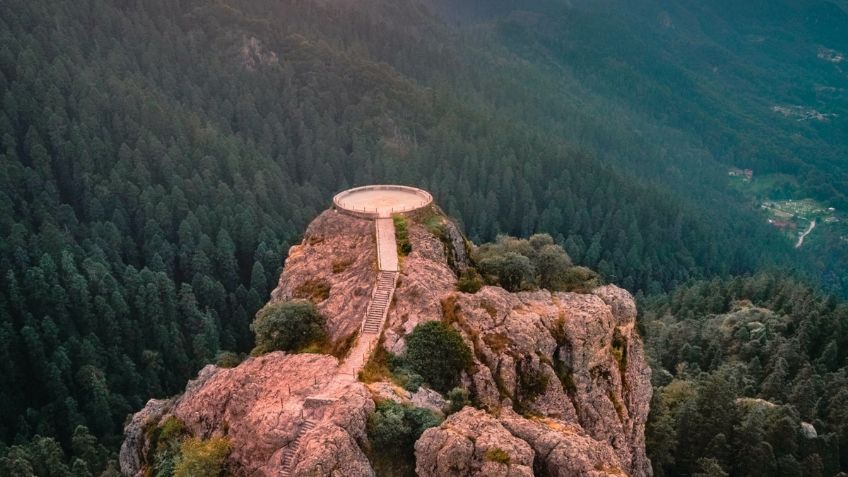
pixel 261 406
pixel 472 443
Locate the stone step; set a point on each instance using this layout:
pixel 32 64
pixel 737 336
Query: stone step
pixel 288 454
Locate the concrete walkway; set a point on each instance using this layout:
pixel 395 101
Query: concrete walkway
pixel 381 299
pixel 387 258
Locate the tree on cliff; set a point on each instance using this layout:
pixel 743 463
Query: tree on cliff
pixel 287 326
pixel 436 352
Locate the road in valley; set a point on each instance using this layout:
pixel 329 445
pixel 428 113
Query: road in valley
pixel 806 232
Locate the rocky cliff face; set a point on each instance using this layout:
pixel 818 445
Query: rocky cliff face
pixel 334 266
pixel 559 380
pixel 571 361
pixel 262 406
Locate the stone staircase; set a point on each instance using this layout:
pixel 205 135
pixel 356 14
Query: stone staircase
pixel 291 452
pixel 372 326
pixel 379 306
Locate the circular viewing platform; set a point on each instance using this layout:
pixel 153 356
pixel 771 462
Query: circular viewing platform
pixel 375 201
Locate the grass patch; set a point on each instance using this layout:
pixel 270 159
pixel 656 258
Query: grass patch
pixel 619 350
pixel 341 347
pixel 619 407
pixel 342 264
pixel 434 224
pixel 202 458
pixel 558 333
pixel 163 450
pixel 314 289
pixel 498 342
pixel 228 359
pixel 498 455
pixel 402 235
pixel 378 366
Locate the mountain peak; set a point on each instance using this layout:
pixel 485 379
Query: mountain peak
pixel 554 380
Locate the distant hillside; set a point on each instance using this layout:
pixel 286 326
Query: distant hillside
pixel 680 91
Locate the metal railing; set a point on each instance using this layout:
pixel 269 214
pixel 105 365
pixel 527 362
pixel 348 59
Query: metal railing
pixel 340 203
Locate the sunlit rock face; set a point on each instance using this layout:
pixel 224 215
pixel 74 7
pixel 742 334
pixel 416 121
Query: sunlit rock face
pixel 572 360
pixel 261 407
pixel 559 381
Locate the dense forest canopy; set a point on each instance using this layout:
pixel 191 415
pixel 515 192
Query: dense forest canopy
pixel 738 366
pixel 157 159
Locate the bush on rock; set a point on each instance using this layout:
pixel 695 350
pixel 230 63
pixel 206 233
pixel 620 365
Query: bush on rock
pixel 436 352
pixel 287 326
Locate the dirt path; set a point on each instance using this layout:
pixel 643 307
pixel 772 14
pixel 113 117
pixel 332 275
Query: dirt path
pixel 806 232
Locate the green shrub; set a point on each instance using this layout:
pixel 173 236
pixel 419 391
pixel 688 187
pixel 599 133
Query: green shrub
pixel 392 430
pixel 437 352
pixel 413 382
pixel 552 265
pixel 388 430
pixel 580 280
pixel 496 454
pixel 287 326
pixel 532 383
pixel 227 359
pixel 458 398
pixel 469 281
pixel 517 264
pixel 510 270
pixel 165 441
pixel 202 458
pixel 402 235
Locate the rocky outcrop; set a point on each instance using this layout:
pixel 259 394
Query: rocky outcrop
pixel 476 443
pixel 261 407
pixel 335 267
pixel 472 443
pixel 562 449
pixel 559 380
pixel 425 278
pixel 574 358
